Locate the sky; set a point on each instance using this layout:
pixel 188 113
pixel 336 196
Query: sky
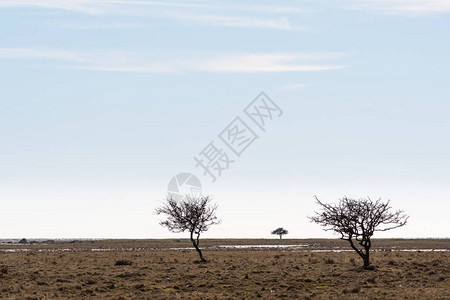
pixel 103 102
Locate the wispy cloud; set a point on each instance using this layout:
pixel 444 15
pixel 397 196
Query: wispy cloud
pixel 118 61
pixel 94 26
pixel 82 6
pixel 235 21
pixel 227 6
pixel 30 53
pixel 293 87
pixel 416 7
pixel 221 14
pixel 106 6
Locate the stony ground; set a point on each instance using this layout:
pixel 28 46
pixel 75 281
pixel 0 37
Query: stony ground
pixel 150 270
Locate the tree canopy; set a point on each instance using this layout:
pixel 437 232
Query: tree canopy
pixel 357 220
pixel 192 214
pixel 280 231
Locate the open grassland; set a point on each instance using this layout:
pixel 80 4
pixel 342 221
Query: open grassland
pixel 162 269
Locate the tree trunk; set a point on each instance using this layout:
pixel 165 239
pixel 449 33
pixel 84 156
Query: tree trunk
pixel 366 261
pixel 366 258
pixel 195 242
pixel 280 236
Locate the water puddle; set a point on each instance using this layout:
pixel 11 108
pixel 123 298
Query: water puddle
pixel 297 247
pixel 262 246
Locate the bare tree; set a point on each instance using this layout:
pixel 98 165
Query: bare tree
pixel 357 220
pixel 192 214
pixel 280 231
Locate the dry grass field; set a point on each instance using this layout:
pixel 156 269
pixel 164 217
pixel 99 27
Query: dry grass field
pixel 162 269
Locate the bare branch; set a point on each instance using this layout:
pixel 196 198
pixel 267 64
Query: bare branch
pixel 357 220
pixel 192 214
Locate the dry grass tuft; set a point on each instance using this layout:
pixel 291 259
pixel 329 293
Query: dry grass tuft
pixel 150 273
pixel 123 262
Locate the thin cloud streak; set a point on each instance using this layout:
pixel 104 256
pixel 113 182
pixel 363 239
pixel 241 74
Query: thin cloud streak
pixel 252 8
pixel 97 6
pixel 121 7
pixel 81 6
pixel 213 15
pixel 414 7
pixel 293 87
pixel 117 61
pixel 233 21
pixel 30 53
pixel 95 26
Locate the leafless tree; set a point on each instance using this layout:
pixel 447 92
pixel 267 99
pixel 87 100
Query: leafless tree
pixel 280 231
pixel 357 220
pixel 192 214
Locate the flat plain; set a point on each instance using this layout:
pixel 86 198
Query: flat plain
pixel 236 269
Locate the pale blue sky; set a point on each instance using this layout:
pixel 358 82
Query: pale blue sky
pixel 102 102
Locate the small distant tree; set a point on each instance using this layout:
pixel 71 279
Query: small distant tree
pixel 280 231
pixel 357 220
pixel 192 214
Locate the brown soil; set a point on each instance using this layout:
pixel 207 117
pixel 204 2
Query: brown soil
pixel 147 270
